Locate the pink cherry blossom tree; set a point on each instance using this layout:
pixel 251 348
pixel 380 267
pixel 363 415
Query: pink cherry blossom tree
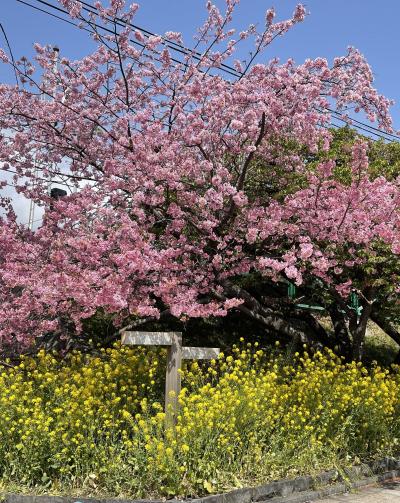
pixel 347 227
pixel 162 153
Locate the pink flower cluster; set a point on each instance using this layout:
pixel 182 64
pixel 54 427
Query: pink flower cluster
pixel 162 153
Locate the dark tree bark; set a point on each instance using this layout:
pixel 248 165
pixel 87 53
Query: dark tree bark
pixel 292 325
pixel 358 324
pixel 342 336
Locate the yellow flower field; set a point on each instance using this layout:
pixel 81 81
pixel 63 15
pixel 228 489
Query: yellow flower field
pixel 95 424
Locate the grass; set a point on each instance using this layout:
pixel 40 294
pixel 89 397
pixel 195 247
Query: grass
pixel 379 346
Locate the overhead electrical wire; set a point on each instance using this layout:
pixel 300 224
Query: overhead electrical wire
pixel 10 51
pixel 169 43
pixel 350 120
pixel 196 55
pixel 176 47
pixel 107 30
pixel 336 115
pixel 39 178
pixel 52 15
pixel 361 126
pixel 24 2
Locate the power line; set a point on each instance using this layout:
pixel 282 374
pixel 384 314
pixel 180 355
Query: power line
pixel 91 23
pixel 360 125
pixel 373 128
pixel 180 48
pixel 62 18
pixel 196 55
pixel 368 131
pixel 39 178
pixel 52 15
pixel 227 68
pixel 171 44
pixel 10 51
pixel 175 47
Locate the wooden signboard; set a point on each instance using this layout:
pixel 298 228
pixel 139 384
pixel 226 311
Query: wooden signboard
pixel 175 353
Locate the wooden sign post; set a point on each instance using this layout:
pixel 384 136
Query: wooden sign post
pixel 175 354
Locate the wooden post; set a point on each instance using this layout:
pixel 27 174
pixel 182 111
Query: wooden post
pixel 175 354
pixel 173 378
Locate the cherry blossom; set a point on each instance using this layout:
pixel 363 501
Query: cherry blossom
pixel 162 154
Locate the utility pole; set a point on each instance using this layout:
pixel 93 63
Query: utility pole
pixel 32 205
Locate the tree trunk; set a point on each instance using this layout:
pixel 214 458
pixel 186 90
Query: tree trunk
pixel 358 336
pixel 358 325
pixel 303 328
pixel 342 338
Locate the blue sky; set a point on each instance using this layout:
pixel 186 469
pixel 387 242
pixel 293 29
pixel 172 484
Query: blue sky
pixel 331 26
